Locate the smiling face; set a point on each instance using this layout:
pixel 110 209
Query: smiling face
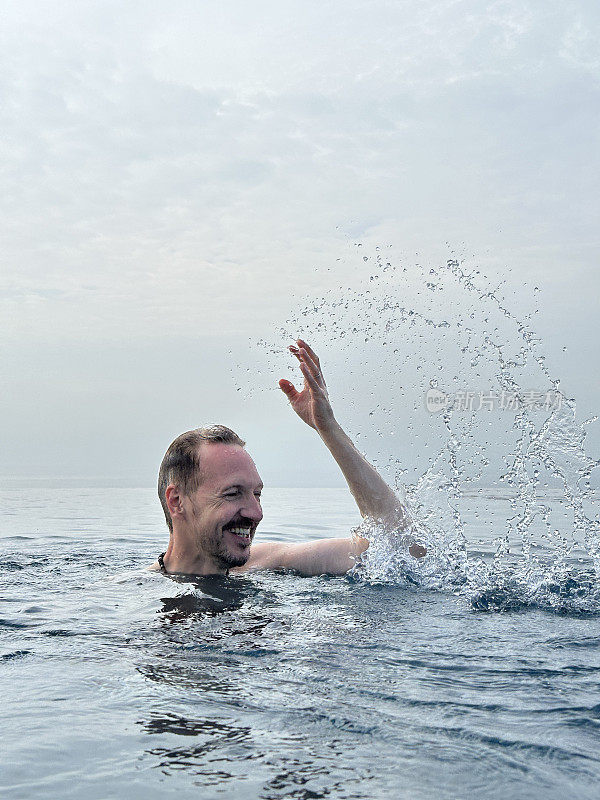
pixel 224 511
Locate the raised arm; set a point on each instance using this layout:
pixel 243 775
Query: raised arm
pixel 373 496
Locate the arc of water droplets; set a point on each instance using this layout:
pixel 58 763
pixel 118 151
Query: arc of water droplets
pixel 556 445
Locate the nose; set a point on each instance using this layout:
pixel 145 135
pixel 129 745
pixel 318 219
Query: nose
pixel 252 510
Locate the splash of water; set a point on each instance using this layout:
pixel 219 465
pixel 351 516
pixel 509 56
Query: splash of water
pixel 530 456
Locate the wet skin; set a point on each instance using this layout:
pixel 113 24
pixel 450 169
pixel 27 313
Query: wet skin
pixel 216 524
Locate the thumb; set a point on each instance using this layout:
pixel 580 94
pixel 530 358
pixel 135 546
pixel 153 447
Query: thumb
pixel 287 387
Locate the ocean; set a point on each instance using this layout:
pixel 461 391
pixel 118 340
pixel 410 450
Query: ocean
pixel 120 682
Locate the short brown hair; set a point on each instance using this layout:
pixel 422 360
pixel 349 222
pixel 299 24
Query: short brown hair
pixel 181 464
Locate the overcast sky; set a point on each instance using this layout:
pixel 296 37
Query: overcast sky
pixel 179 179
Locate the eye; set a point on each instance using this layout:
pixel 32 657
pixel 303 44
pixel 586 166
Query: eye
pixel 232 494
pixel 257 495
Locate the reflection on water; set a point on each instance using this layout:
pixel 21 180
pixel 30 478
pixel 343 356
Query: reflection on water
pixel 211 738
pixel 338 689
pixel 207 596
pixel 236 699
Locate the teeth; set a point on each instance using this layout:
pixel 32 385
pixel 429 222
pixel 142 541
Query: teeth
pixel 241 532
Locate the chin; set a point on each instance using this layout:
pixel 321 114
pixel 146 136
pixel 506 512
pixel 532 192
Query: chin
pixel 231 560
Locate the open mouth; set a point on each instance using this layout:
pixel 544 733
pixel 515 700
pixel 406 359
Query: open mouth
pixel 241 533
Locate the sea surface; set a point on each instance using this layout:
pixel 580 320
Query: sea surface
pixel 120 682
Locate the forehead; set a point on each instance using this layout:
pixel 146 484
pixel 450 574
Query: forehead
pixel 226 464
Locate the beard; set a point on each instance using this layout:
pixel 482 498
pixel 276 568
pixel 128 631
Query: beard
pixel 215 546
pixel 223 556
pixel 229 560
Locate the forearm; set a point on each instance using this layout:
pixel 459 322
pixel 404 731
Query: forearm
pixel 320 557
pixel 373 496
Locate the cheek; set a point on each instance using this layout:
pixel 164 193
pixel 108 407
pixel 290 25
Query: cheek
pixel 226 512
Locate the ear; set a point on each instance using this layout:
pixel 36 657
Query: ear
pixel 174 500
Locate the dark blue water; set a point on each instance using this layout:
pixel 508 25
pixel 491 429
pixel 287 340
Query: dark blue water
pixel 119 682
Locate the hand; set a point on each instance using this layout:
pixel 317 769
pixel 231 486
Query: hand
pixel 312 403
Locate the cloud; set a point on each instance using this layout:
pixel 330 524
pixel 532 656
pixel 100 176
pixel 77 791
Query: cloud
pixel 196 169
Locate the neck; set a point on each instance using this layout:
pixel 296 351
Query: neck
pixel 184 559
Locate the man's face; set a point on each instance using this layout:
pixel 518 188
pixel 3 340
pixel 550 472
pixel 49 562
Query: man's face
pixel 225 509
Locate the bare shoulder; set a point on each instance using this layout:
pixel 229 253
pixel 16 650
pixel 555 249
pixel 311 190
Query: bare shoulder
pixel 264 555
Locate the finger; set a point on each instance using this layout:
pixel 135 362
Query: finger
pixel 288 388
pixel 310 352
pixel 295 352
pixel 299 355
pixel 314 369
pixel 310 379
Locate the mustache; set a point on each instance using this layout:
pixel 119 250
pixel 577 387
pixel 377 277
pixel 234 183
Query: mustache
pixel 241 522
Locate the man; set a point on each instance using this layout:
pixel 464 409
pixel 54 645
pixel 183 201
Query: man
pixel 210 492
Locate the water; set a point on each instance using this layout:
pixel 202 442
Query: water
pixel 474 672
pixel 117 681
pixel 504 428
